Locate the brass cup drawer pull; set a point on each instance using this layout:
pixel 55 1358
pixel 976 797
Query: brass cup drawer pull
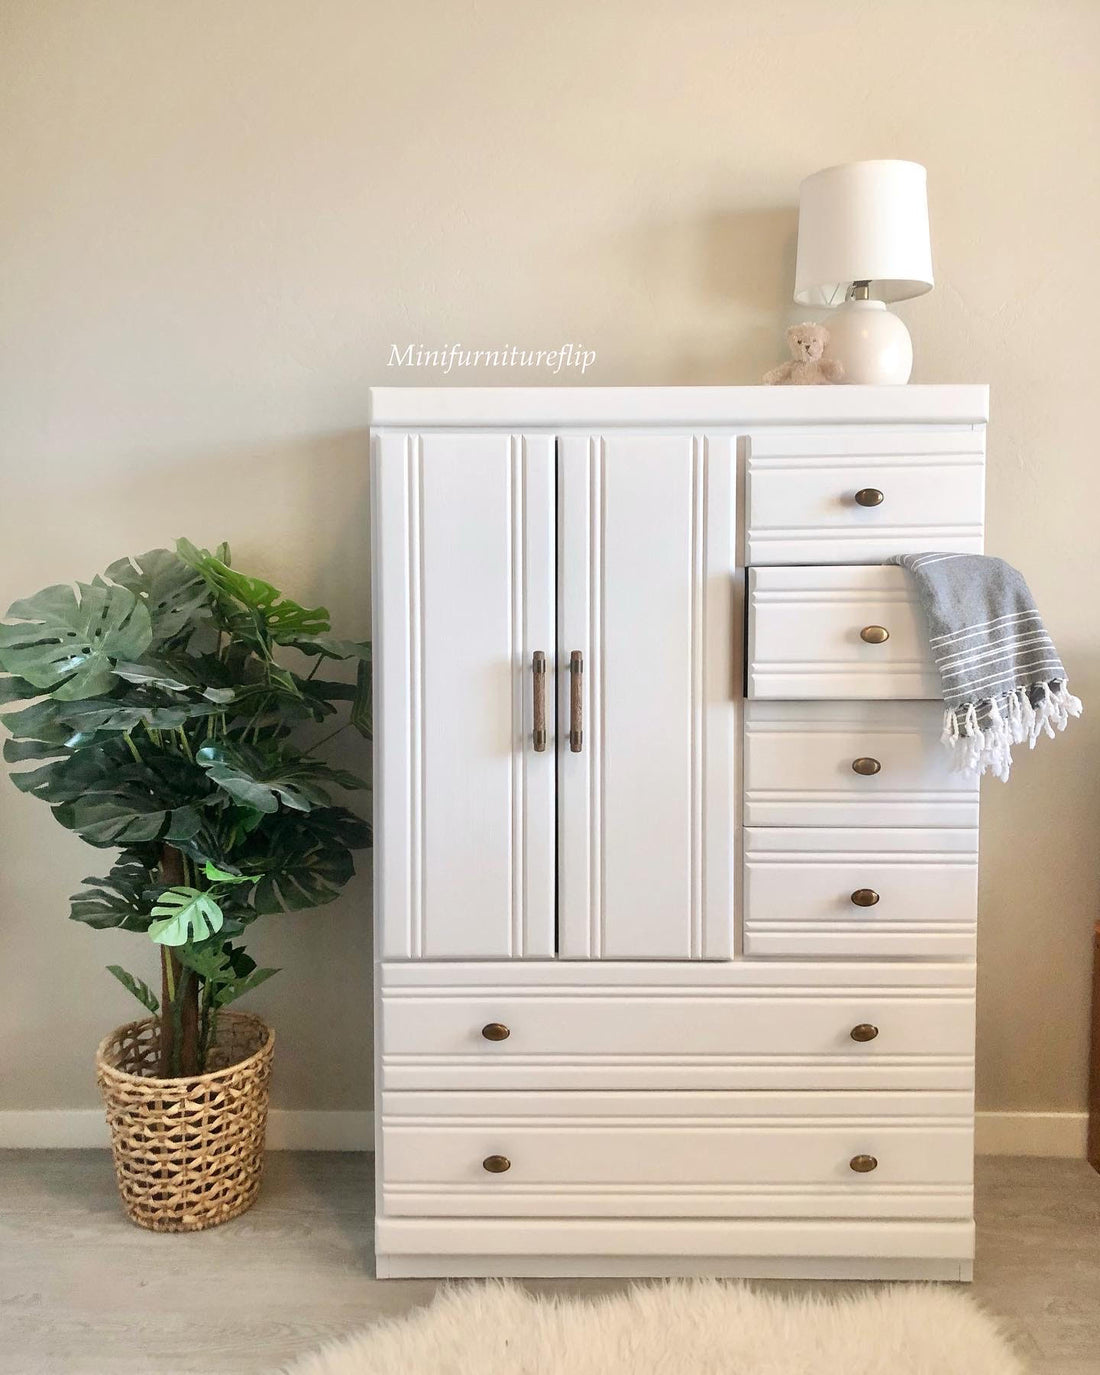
pixel 495 1031
pixel 866 766
pixel 863 1032
pixel 869 496
pixel 874 634
pixel 863 1164
pixel 864 897
pixel 497 1164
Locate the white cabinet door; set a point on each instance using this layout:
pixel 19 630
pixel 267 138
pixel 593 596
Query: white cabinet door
pixel 648 598
pixel 463 599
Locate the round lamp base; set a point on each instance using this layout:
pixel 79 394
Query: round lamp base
pixel 873 345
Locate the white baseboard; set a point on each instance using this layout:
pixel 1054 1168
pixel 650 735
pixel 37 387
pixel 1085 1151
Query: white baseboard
pixel 286 1130
pixel 998 1133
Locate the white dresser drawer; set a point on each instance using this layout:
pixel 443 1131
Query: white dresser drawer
pixel 799 766
pixel 683 1154
pixel 810 631
pixel 847 495
pixel 752 1039
pixel 897 893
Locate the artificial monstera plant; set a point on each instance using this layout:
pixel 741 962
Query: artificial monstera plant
pixel 161 724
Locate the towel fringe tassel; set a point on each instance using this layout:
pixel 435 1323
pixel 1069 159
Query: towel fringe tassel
pixel 980 735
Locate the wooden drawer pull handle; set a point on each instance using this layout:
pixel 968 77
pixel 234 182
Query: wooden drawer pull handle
pixel 863 1164
pixel 874 634
pixel 495 1031
pixel 866 766
pixel 864 1032
pixel 497 1164
pixel 864 897
pixel 538 675
pixel 869 496
pixel 576 701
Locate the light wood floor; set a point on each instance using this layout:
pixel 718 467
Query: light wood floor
pixel 83 1292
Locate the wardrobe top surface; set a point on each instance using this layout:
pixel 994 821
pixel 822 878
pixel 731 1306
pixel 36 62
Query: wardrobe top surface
pixel 735 407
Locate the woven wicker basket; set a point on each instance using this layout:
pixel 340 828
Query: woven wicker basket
pixel 188 1152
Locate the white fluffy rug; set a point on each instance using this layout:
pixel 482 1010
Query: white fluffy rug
pixel 695 1327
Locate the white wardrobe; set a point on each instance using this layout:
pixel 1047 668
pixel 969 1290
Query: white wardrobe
pixel 674 890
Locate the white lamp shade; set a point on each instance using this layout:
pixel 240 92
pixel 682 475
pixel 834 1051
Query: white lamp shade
pixel 863 222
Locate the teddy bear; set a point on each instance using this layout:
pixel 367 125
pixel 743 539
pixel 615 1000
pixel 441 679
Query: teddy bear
pixel 806 365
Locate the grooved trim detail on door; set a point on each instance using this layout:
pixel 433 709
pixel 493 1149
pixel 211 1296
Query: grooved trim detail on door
pixel 518 790
pixel 414 497
pixel 597 715
pixel 697 753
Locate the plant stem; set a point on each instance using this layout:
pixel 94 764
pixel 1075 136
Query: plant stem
pixel 207 1024
pixel 183 741
pixel 179 1012
pixel 326 738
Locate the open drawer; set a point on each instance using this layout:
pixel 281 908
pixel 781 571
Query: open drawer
pixel 844 632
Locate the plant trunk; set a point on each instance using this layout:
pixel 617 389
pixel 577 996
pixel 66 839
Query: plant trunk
pixel 179 993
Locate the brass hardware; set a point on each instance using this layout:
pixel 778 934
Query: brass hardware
pixel 576 701
pixel 874 634
pixel 538 676
pixel 864 897
pixel 869 496
pixel 864 1032
pixel 863 1164
pixel 497 1164
pixel 495 1031
pixel 865 765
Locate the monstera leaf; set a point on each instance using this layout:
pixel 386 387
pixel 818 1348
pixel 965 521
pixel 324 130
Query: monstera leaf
pixel 109 798
pixel 126 816
pixel 138 987
pixel 226 969
pixel 303 860
pixel 14 689
pixel 67 643
pixel 358 694
pixel 259 603
pixel 362 707
pixel 185 915
pixel 263 776
pixel 172 677
pixel 120 899
pixel 174 594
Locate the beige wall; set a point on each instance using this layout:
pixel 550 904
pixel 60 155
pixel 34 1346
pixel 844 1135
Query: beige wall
pixel 218 217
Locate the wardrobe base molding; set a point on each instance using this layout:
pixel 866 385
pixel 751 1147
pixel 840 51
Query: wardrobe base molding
pixel 614 1247
pixel 670 1267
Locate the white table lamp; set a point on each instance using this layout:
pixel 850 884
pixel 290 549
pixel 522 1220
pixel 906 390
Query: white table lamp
pixel 862 241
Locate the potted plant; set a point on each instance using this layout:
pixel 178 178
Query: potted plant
pixel 164 723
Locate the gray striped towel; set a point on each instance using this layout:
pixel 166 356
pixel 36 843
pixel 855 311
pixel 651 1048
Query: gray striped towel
pixel 1003 682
